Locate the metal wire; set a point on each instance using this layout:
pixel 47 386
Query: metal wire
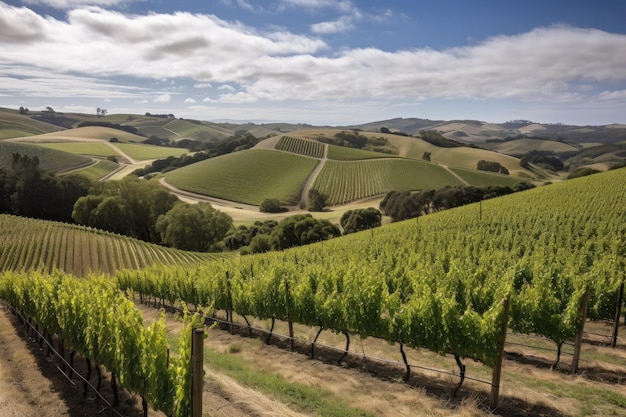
pixel 60 357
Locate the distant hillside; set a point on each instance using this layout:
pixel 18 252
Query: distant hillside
pixel 475 131
pixel 14 125
pixel 50 159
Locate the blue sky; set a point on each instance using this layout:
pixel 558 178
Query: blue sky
pixel 319 61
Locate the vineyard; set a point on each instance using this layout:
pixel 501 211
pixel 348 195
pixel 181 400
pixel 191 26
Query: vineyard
pixel 555 255
pixel 29 244
pixel 457 282
pixel 301 146
pixel 92 318
pixel 352 180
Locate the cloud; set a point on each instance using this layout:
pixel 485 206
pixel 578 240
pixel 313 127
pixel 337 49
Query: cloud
pixel 226 87
pixel 163 98
pixel 70 4
pixel 189 100
pixel 343 24
pixel 94 45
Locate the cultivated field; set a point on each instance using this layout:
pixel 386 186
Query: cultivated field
pixel 248 176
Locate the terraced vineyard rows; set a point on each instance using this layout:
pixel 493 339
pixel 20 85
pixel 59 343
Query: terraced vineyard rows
pixel 352 180
pixel 29 244
pixel 301 146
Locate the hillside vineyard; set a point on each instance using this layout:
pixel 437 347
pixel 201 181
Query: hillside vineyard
pixel 440 281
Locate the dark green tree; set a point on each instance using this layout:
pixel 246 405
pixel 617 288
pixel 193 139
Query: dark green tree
pixel 130 207
pixel 194 227
pixel 357 220
pixel 317 200
pixel 300 230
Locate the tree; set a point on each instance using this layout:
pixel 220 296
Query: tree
pixel 194 227
pixel 300 230
pixel 27 190
pixel 317 200
pixel 271 205
pixel 426 156
pixel 23 110
pixel 357 220
pixel 130 207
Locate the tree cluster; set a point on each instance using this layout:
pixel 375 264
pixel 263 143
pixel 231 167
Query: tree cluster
pixel 271 205
pixel 358 220
pixel 402 205
pixel 435 138
pixel 130 207
pixel 297 230
pixel 194 227
pixel 26 190
pixel 491 166
pixel 125 128
pixel 542 158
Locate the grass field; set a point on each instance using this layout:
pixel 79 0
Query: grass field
pixel 482 178
pixel 146 152
pixel 348 181
pixel 523 146
pixel 248 176
pixel 99 170
pixel 49 159
pixel 82 148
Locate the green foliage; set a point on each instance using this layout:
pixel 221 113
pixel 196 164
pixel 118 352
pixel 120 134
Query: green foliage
pixel 435 138
pixel 194 227
pixel 301 230
pixel 99 322
pixel 357 220
pixel 130 207
pixel 271 205
pixel 26 190
pixel 491 166
pixel 317 200
pixel 243 235
pixel 582 172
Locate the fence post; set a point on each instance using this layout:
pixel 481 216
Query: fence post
pixel 497 367
pixel 579 335
pixel 197 371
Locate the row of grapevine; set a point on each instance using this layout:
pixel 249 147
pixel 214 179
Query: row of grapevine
pixel 95 319
pixel 304 147
pixel 344 181
pixel 439 281
pixel 30 244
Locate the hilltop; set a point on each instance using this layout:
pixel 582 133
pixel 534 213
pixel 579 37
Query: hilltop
pixel 350 164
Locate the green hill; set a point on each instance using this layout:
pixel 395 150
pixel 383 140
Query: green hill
pixel 15 125
pixel 50 159
pixel 30 244
pixel 248 176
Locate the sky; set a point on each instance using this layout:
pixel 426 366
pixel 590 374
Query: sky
pixel 321 62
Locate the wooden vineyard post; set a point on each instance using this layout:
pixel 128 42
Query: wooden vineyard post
pixel 579 335
pixel 197 371
pixel 497 367
pixel 618 312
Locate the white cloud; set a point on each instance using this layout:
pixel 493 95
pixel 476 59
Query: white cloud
pixel 50 57
pixel 189 100
pixel 227 87
pixel 343 24
pixel 163 98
